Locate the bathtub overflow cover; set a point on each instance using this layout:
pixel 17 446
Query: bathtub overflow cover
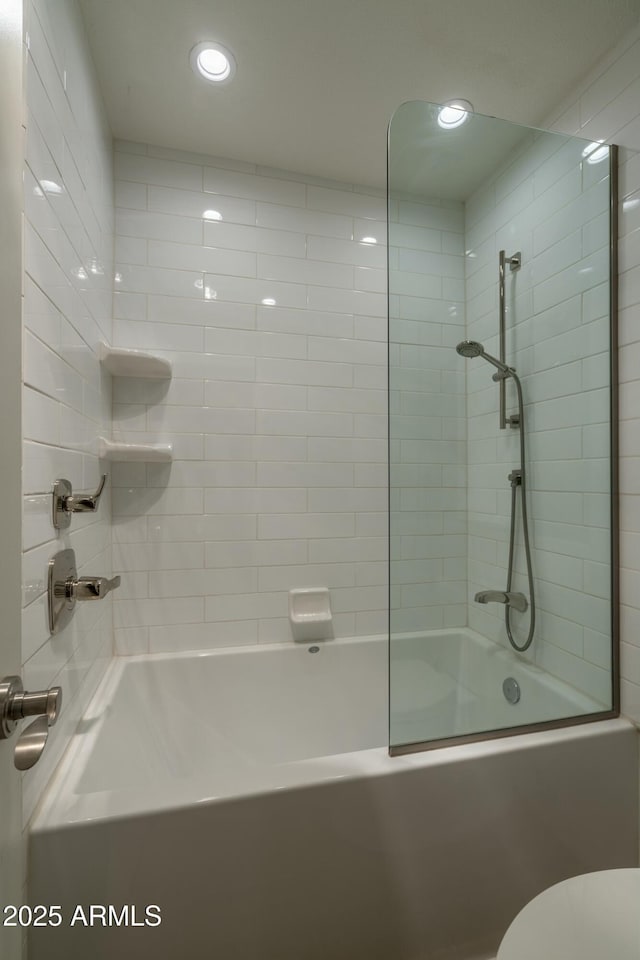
pixel 511 690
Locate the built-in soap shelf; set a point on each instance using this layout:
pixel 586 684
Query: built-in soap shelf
pixel 134 452
pixel 310 614
pixel 124 362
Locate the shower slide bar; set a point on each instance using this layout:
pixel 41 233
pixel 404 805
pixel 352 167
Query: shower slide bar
pixel 515 262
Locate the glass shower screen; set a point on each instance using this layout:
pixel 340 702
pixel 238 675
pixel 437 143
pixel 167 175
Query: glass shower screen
pixel 501 436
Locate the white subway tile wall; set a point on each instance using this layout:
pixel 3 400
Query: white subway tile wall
pixel 606 107
pixel 68 196
pixel 427 416
pixel 550 203
pixel 268 294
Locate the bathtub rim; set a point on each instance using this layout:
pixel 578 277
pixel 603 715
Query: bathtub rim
pixel 374 763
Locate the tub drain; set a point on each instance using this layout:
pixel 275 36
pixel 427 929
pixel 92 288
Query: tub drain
pixel 313 650
pixel 511 690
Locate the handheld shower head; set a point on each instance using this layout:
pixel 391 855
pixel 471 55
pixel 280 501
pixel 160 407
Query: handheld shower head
pixel 471 348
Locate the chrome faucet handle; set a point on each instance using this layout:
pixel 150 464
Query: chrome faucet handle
pixel 65 587
pixel 16 704
pixel 93 588
pixel 65 502
pixel 85 502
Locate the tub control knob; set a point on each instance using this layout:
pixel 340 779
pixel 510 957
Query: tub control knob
pixel 92 588
pixel 66 502
pixel 17 704
pixel 65 588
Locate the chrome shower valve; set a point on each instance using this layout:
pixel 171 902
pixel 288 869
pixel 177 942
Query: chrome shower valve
pixel 92 588
pixel 66 502
pixel 66 588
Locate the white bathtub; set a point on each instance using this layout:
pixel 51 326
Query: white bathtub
pixel 249 794
pixel 449 684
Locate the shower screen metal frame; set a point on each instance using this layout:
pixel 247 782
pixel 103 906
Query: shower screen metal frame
pixel 614 513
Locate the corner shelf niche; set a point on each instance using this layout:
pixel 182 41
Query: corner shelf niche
pixel 134 452
pixel 123 362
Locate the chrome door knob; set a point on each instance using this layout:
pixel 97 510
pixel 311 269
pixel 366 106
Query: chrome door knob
pixel 16 704
pixel 47 703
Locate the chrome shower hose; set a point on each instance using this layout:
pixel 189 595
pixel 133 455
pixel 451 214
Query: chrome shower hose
pixel 525 532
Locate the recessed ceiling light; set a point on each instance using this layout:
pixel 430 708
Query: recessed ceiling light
pixel 454 113
pixel 213 62
pixel 212 215
pixel 269 302
pixel 368 240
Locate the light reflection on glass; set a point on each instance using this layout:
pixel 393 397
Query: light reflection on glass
pixel 595 152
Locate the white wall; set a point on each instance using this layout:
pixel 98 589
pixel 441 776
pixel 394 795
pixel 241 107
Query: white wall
pixel 277 413
pixel 607 106
pixel 68 197
pixel 12 859
pixel 551 204
pixel 428 418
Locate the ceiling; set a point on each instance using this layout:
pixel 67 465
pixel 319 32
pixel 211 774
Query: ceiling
pixel 317 82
